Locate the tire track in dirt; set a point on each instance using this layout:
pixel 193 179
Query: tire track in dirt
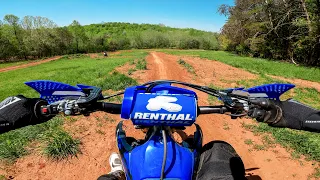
pixel 29 64
pixel 162 73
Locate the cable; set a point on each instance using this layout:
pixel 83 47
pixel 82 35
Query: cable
pixel 204 89
pixel 108 97
pixel 164 153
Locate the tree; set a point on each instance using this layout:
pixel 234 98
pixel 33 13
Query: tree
pixel 78 33
pixel 13 22
pixel 277 29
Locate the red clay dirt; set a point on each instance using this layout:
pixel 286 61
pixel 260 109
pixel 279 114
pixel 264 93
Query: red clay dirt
pixel 29 64
pixel 97 133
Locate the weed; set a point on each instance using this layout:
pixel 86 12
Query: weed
pixel 259 147
pixel 97 117
pixel 131 70
pixel 61 145
pixel 2 177
pixel 141 64
pixel 189 68
pixel 71 119
pixel 100 132
pixel 131 62
pixel 316 174
pixel 100 124
pixel 295 155
pixel 248 141
pixel 267 140
pixel 226 126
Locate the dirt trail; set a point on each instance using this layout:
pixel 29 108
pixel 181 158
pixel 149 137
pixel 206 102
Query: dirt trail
pixel 98 137
pixel 29 64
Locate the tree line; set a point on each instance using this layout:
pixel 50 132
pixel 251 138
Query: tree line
pixel 36 37
pixel 275 29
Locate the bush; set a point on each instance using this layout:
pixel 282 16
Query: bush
pixel 242 49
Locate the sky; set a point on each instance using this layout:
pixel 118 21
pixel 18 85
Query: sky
pixel 198 14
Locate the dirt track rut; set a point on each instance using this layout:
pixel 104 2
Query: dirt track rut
pixel 29 64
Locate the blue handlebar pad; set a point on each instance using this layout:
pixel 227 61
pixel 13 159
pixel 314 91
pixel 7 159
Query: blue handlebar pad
pixel 164 109
pixel 165 105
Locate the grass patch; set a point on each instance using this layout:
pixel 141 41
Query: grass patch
pixel 248 141
pixel 189 68
pixel 141 64
pixel 301 142
pixel 308 96
pixel 61 145
pixel 131 70
pixel 14 144
pixel 131 62
pixel 259 147
pixel 117 81
pixel 2 177
pixel 226 126
pixel 256 65
pixel 316 174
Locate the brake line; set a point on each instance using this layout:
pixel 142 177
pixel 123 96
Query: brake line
pixel 164 153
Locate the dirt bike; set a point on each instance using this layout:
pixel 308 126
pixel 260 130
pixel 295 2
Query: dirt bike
pixel 161 108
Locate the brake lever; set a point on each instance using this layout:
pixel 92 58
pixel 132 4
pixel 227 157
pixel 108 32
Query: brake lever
pixel 94 95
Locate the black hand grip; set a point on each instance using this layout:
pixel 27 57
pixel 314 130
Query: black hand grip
pixel 212 110
pixel 262 102
pixel 111 108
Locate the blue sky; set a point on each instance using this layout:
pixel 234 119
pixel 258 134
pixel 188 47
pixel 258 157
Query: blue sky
pixel 199 14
